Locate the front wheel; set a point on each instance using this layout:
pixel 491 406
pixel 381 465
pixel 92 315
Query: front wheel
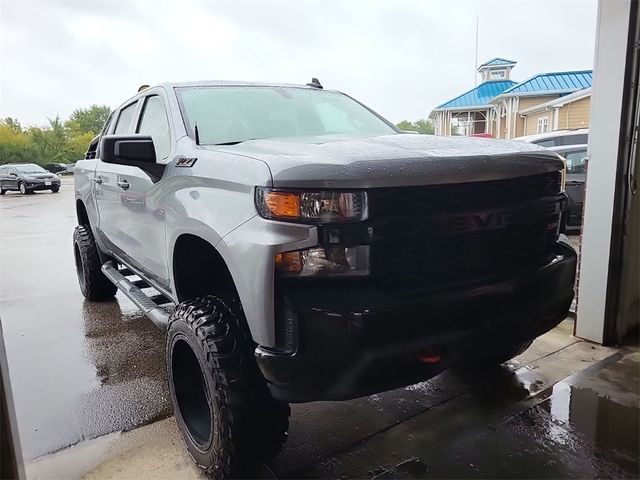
pixel 23 188
pixel 227 417
pixel 55 189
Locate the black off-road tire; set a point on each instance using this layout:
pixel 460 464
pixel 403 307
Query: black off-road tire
pixel 93 284
pixel 230 423
pixel 55 189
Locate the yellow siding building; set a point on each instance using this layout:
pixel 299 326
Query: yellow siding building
pixel 502 108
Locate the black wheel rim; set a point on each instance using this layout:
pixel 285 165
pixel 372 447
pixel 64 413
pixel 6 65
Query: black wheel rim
pixel 190 390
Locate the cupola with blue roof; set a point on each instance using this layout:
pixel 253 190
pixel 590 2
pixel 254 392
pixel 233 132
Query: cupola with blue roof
pixel 496 69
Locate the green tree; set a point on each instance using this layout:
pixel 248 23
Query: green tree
pixel 14 144
pixel 50 144
pixel 78 145
pixel 424 126
pixel 407 126
pixel 59 141
pixel 12 124
pixel 88 120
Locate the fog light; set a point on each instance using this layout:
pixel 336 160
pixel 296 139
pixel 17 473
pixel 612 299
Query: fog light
pixel 324 261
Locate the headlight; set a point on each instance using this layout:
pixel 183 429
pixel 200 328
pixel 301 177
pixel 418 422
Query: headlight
pixel 313 207
pixel 329 261
pixel 29 177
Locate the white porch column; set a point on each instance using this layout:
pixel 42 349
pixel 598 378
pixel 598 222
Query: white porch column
pixel 604 132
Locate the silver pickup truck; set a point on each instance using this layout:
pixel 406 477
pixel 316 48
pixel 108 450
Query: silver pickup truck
pixel 296 246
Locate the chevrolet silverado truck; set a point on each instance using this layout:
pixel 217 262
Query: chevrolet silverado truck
pixel 296 246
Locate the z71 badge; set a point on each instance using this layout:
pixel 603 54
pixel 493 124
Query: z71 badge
pixel 186 162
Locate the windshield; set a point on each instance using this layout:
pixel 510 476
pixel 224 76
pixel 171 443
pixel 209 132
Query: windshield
pixel 30 168
pixel 576 161
pixel 226 115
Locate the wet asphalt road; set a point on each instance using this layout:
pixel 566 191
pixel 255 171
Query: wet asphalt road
pixel 78 369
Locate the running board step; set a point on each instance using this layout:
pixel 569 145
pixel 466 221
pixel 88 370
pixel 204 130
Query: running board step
pixel 139 283
pixel 156 314
pixel 159 299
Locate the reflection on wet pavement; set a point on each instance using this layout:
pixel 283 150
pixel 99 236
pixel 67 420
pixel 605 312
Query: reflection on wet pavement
pixel 78 369
pixel 122 350
pixel 510 423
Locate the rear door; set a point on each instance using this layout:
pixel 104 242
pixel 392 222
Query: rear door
pixel 107 191
pixel 139 223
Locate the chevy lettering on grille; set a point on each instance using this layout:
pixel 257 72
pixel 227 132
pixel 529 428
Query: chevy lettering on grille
pixel 497 219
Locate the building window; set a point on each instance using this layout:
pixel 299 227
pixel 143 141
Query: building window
pixel 498 74
pixel 543 125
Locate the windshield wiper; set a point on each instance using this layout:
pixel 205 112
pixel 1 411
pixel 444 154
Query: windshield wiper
pixel 236 142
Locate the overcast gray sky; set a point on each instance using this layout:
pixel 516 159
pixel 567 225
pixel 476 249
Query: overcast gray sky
pixel 400 57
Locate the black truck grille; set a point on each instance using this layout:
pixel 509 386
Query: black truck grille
pixel 444 235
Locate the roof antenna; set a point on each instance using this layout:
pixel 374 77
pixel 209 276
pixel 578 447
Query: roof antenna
pixel 475 71
pixel 195 128
pixel 315 83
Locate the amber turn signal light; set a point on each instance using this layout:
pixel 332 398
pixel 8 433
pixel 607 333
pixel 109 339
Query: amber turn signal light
pixel 289 262
pixel 282 204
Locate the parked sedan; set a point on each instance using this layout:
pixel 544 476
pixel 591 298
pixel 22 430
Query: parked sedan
pixel 27 178
pixel 576 158
pixel 55 167
pixel 557 138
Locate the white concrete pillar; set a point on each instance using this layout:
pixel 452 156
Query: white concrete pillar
pixel 604 132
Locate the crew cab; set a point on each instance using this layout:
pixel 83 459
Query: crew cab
pixel 297 246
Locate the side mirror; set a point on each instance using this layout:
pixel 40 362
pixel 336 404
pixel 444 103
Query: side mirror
pixel 134 150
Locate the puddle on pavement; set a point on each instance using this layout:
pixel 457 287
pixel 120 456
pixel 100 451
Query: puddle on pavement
pixel 80 370
pixel 123 345
pixel 581 418
pixel 574 432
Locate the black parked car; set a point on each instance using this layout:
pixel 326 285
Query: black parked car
pixel 56 167
pixel 576 156
pixel 27 178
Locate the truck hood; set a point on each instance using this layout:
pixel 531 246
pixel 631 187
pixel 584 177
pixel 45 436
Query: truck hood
pixel 393 160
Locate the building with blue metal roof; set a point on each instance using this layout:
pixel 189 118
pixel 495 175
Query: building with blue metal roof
pixel 492 108
pixel 480 96
pixel 557 82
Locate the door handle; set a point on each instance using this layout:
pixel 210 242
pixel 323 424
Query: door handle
pixel 123 184
pixel 98 180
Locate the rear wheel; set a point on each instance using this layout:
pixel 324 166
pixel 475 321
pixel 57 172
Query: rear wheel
pixel 93 283
pixel 2 191
pixel 227 417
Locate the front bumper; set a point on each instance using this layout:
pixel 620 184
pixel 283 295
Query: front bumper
pixel 35 185
pixel 355 340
